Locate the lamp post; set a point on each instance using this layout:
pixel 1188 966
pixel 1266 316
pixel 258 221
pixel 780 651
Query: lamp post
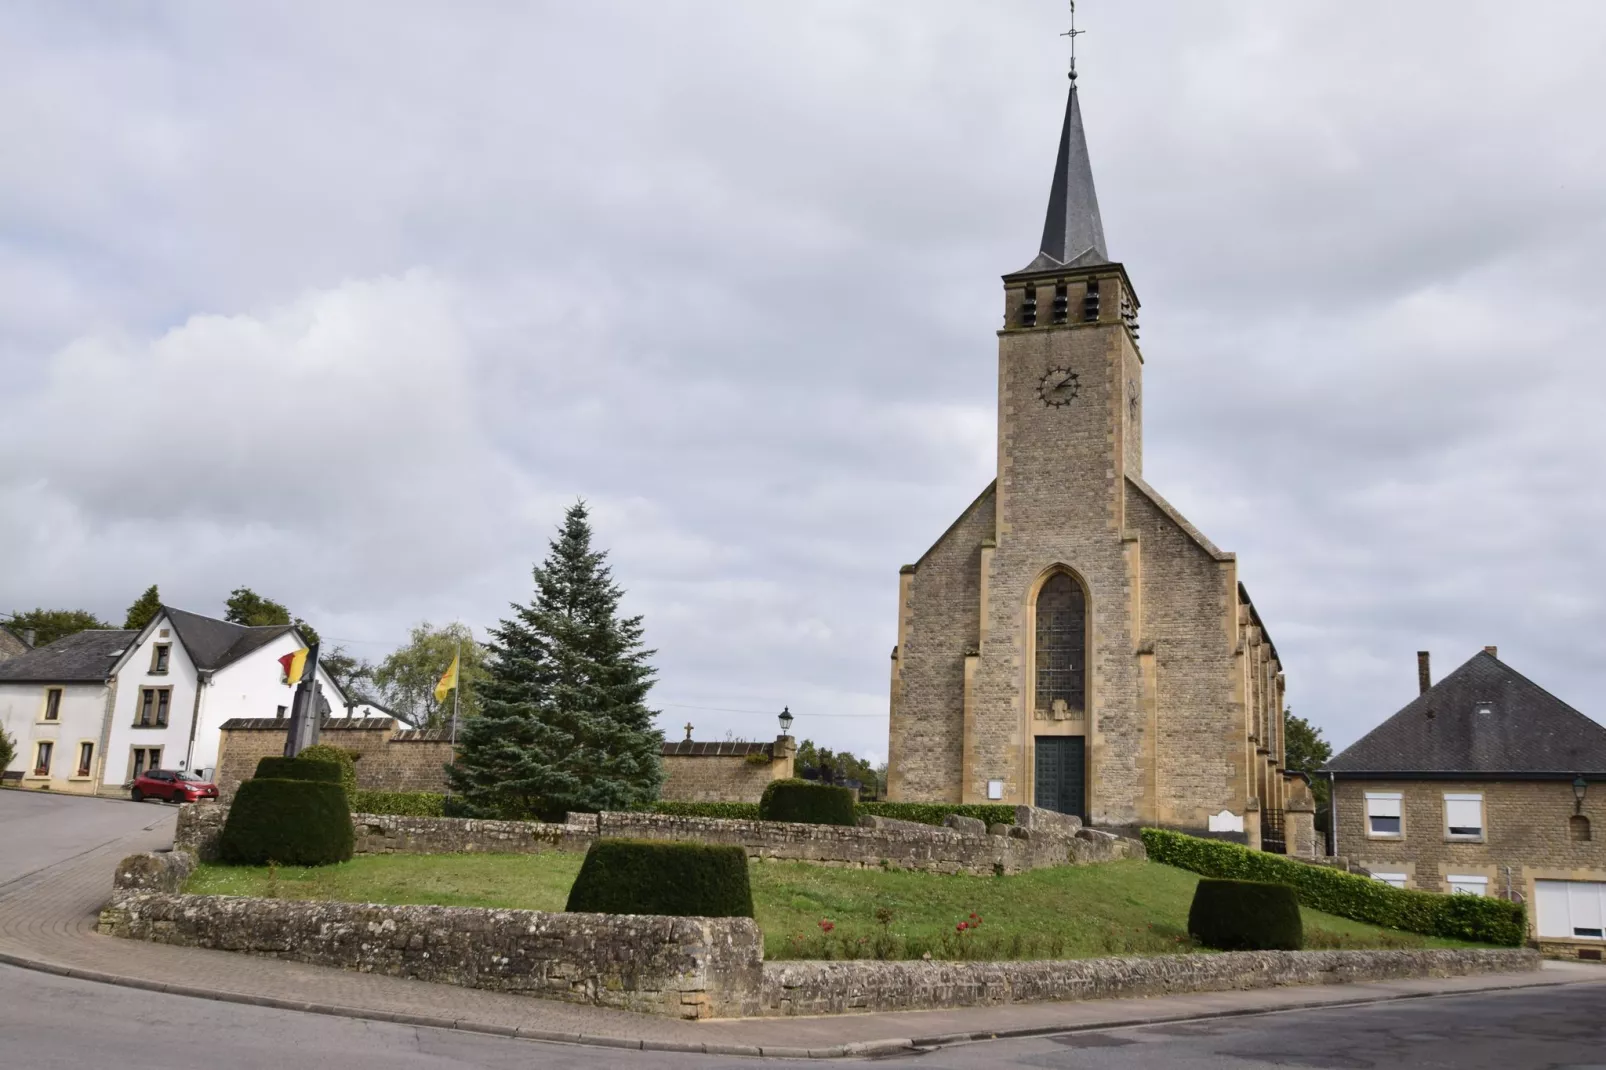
pixel 786 721
pixel 1580 788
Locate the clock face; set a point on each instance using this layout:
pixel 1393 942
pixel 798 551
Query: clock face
pixel 1058 387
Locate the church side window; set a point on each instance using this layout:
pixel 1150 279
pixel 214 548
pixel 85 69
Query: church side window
pixel 1061 648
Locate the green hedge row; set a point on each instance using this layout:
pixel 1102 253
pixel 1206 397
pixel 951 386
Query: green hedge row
pixel 401 803
pixel 933 813
pixel 1349 895
pixel 696 880
pixel 730 811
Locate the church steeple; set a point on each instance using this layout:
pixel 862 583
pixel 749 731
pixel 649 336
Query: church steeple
pixel 1073 233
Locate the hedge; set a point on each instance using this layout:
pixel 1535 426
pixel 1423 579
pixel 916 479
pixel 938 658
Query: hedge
pixel 933 813
pixel 298 769
pixel 808 802
pixel 1349 895
pixel 292 822
pixel 1246 916
pixel 401 803
pixel 696 880
pixel 323 752
pixel 729 811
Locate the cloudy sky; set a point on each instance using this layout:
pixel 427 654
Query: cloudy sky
pixel 347 301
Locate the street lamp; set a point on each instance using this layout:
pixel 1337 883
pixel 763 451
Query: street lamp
pixel 1580 786
pixel 786 720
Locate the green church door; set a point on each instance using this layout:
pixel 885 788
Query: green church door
pixel 1061 774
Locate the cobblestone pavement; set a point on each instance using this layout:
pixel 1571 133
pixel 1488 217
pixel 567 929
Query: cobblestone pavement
pixel 47 920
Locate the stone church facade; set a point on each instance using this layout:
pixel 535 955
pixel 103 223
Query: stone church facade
pixel 1072 641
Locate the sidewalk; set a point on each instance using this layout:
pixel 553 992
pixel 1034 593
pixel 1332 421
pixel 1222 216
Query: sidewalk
pixel 47 922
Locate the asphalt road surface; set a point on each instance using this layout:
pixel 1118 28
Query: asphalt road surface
pixel 48 1022
pixel 38 829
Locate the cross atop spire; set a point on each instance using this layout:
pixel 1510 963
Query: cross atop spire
pixel 1073 232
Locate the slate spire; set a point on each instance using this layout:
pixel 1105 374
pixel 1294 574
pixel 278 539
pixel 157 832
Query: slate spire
pixel 1073 233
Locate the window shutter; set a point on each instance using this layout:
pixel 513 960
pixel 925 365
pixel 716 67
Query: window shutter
pixel 1383 805
pixel 1463 812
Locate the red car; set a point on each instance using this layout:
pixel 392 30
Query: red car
pixel 171 785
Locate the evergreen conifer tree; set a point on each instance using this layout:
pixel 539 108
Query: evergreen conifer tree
pixel 144 609
pixel 563 721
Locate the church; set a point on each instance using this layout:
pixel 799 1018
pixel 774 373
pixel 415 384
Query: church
pixel 1072 641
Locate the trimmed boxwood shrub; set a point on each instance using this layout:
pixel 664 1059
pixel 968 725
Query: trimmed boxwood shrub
pixel 1246 916
pixel 292 822
pixel 298 769
pixel 401 803
pixel 933 813
pixel 695 880
pixel 1349 895
pixel 729 811
pixel 808 802
pixel 323 752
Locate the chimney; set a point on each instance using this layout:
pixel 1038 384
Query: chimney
pixel 29 636
pixel 1492 651
pixel 1424 678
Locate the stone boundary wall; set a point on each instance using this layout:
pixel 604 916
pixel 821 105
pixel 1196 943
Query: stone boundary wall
pixel 676 967
pixel 711 967
pixel 808 988
pixel 898 845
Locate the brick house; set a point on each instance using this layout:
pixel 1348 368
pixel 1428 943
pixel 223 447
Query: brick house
pixel 1072 641
pixel 1484 784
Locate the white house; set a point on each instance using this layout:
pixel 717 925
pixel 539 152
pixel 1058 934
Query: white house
pixel 54 702
pixel 182 677
pixel 91 711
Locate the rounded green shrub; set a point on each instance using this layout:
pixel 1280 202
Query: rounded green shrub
pixel 807 802
pixel 324 752
pixel 1246 916
pixel 694 880
pixel 298 769
pixel 292 822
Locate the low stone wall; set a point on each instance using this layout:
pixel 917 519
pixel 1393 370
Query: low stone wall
pixel 895 844
pixel 384 834
pixel 802 988
pixel 154 871
pixel 678 967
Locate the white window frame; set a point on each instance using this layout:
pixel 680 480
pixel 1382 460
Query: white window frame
pixel 1483 817
pixel 1398 801
pixel 1393 880
pixel 1472 884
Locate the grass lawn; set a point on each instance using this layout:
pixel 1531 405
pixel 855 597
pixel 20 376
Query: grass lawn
pixel 1065 912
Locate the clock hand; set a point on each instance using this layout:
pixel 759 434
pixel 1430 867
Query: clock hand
pixel 1065 381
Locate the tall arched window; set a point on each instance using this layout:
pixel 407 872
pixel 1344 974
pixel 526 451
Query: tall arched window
pixel 1061 648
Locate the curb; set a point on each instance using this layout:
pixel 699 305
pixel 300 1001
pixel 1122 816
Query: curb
pixel 862 1049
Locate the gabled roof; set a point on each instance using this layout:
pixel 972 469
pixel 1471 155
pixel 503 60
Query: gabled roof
pixel 83 657
pixel 1526 731
pixel 215 644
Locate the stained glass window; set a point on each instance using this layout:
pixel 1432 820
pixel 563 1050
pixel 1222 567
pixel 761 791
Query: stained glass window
pixel 1061 647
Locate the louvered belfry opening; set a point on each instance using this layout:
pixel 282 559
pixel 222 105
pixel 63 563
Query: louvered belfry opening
pixel 1061 647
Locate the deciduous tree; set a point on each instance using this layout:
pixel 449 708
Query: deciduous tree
pixel 405 681
pixel 48 625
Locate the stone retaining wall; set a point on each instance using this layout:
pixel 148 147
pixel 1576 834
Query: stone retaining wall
pixel 801 988
pixel 678 967
pixel 881 843
pixel 709 967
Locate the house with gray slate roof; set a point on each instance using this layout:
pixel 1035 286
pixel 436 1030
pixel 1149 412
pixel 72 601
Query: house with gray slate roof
pixel 1484 784
pixel 91 711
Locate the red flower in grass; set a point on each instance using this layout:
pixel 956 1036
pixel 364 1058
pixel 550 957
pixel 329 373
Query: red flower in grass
pixel 962 926
pixel 826 925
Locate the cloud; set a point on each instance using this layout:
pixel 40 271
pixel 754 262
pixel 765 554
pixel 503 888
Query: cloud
pixel 349 308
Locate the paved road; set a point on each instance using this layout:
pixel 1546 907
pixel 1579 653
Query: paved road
pixel 38 829
pixel 48 1022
